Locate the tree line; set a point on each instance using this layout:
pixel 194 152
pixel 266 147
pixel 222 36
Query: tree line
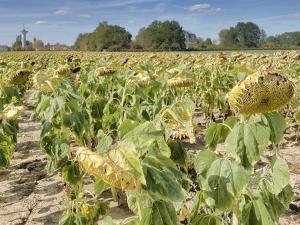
pixel 249 35
pixel 169 35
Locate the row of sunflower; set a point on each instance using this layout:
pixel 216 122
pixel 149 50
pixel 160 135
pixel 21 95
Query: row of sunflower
pixel 117 119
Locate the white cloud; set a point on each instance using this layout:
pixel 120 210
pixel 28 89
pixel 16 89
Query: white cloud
pixel 41 22
pixel 199 7
pixel 61 12
pixel 204 8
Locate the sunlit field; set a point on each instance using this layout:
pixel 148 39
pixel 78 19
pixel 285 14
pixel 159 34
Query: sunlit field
pixel 201 138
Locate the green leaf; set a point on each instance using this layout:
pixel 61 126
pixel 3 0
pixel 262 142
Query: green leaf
pixel 97 108
pixel 277 204
pixel 77 121
pixel 161 213
pixel 224 183
pixel 218 132
pixel 162 179
pixel 100 186
pixel 281 176
pixel 127 156
pixel 49 108
pixel 213 135
pixel 10 127
pixel 205 219
pixel 259 214
pixel 57 147
pixel 104 142
pixel 71 173
pixel 277 125
pixel 7 147
pixel 264 207
pixel 146 136
pixel 132 202
pixel 178 153
pixel 203 161
pixel 47 126
pixel 248 141
pixel 126 126
pixel 107 221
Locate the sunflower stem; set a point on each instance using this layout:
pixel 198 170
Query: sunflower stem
pixel 242 118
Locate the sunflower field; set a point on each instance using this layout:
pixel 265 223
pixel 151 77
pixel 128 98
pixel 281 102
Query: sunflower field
pixel 176 138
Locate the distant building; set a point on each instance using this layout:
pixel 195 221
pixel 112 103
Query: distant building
pixel 190 40
pixel 23 37
pixel 59 47
pixel 4 48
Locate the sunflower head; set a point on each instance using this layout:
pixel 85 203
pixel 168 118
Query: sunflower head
pixel 63 70
pixel 19 77
pixel 180 82
pixel 104 71
pixel 261 92
pixel 45 81
pixel 3 63
pixel 140 79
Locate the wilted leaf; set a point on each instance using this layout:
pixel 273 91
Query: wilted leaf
pixel 277 125
pixel 161 213
pixel 248 141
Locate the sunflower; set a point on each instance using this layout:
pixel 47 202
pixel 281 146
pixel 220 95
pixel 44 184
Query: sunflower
pixel 261 92
pixel 19 77
pixel 104 71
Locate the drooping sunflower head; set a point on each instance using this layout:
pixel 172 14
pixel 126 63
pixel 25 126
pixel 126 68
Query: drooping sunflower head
pixel 104 71
pixel 261 92
pixel 63 70
pixel 180 82
pixel 45 81
pixel 2 63
pixel 19 77
pixel 140 79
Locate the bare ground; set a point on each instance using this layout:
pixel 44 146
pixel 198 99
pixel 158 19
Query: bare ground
pixel 28 196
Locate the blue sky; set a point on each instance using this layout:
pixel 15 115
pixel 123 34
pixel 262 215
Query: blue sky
pixel 61 21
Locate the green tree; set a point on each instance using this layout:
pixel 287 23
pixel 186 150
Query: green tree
pixel 228 38
pixel 105 36
pixel 143 39
pixel 17 45
pixel 243 35
pixel 110 37
pixel 200 43
pixel 83 42
pixel 248 34
pixel 167 35
pixel 263 38
pixel 285 40
pixel 208 43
